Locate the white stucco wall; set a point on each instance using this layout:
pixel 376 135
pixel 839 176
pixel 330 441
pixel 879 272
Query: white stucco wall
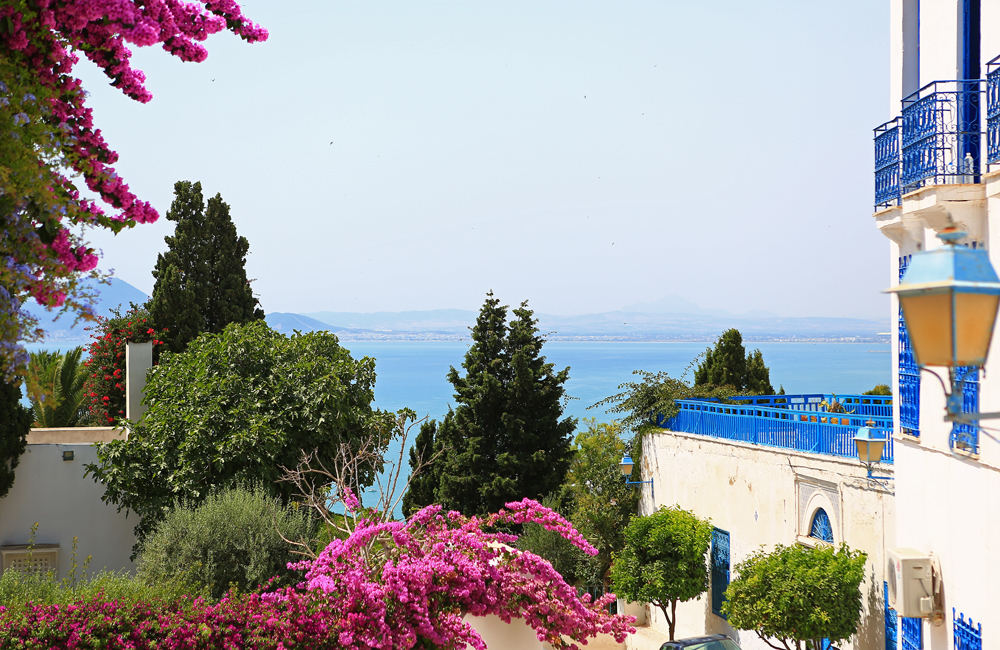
pixel 54 493
pixel 765 496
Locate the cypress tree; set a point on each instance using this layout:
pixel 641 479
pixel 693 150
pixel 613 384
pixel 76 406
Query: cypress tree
pixel 201 281
pixel 729 365
pixel 15 423
pixel 506 439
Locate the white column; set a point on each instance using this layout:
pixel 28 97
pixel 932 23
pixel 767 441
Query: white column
pixel 138 360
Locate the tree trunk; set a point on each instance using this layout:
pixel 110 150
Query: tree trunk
pixel 672 621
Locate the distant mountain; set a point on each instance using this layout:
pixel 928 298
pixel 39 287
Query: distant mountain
pixel 616 325
pixel 668 319
pixel 288 323
pixel 118 294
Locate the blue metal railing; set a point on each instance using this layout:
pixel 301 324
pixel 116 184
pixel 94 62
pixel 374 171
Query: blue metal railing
pixel 941 134
pixel 815 429
pixel 909 373
pixel 967 635
pixel 993 111
pixel 887 164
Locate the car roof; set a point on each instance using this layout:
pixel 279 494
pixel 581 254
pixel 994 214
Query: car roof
pixel 681 643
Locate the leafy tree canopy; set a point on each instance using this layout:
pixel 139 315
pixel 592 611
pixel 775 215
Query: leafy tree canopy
pixel 880 389
pixel 15 423
pixel 796 596
pixel 201 282
pixel 664 560
pixel 507 438
pixel 728 364
pixel 235 408
pixel 55 387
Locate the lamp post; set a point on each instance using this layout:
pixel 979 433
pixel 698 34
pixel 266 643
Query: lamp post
pixel 870 444
pixel 626 467
pixel 949 297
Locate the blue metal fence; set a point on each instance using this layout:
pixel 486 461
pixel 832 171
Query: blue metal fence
pixel 966 436
pixel 890 620
pixel 913 633
pixel 941 135
pixel 909 373
pixel 993 111
pixel 887 164
pixel 968 636
pixel 815 430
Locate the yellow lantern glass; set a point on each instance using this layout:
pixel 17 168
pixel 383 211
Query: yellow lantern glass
pixel 869 446
pixel 626 466
pixel 948 328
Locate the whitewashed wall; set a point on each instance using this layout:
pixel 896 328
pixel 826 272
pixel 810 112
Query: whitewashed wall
pixel 54 493
pixel 765 496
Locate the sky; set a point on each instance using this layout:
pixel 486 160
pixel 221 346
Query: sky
pixel 584 156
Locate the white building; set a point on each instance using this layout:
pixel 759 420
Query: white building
pixel 934 165
pixel 776 470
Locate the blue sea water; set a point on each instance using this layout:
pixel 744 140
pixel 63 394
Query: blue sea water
pixel 414 373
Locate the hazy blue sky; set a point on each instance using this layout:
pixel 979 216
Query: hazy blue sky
pixel 583 155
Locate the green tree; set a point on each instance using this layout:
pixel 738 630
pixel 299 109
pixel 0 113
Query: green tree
pixel 880 389
pixel 507 438
pixel 201 283
pixel 727 364
pixel 234 409
pixel 603 504
pixel 15 423
pixel 236 536
pixel 797 596
pixel 664 560
pixel 55 387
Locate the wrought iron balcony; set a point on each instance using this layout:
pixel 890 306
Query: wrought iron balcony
pixel 887 164
pixel 936 140
pixel 993 112
pixel 799 422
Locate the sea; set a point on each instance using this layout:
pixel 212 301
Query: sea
pixel 413 374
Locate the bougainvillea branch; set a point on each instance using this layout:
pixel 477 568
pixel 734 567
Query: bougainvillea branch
pixel 48 139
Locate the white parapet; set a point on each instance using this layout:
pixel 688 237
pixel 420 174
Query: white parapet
pixel 138 360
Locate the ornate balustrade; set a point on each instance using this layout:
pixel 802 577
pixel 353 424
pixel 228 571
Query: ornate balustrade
pixel 936 140
pixel 787 426
pixel 801 425
pixel 993 111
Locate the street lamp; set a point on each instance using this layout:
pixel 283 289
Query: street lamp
pixel 949 297
pixel 870 444
pixel 626 467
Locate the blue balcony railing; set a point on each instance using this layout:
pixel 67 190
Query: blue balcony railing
pixel 802 422
pixel 941 136
pixel 993 112
pixel 887 164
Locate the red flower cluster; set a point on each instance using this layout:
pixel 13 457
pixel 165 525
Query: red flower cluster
pixel 105 386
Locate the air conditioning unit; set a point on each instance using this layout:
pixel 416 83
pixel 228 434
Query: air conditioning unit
pixel 910 579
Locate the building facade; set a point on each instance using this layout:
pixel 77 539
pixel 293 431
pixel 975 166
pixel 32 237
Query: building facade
pixel 936 164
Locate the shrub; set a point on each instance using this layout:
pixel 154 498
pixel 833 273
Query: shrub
pixel 663 561
pixel 104 390
pixel 233 538
pixel 19 589
pixel 802 597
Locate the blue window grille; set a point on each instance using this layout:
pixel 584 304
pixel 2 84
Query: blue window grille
pixel 909 373
pixel 967 636
pixel 720 569
pixel 821 528
pixel 890 620
pixel 941 134
pixel 887 164
pixel 993 111
pixel 966 436
pixel 913 633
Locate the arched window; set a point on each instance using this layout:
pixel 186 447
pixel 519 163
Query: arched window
pixel 821 528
